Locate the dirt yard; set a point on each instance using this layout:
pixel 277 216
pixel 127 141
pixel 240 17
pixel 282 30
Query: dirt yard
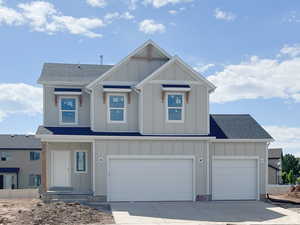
pixel 34 212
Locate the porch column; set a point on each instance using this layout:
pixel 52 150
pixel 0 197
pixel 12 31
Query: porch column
pixel 44 167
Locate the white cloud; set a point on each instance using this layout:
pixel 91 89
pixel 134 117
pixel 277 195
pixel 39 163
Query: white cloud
pixel 110 17
pixel 10 16
pixel 291 50
pixel 287 138
pixel 222 15
pixel 97 3
pixel 172 12
pixel 258 78
pixel 19 98
pixel 203 68
pixel 151 27
pixel 42 16
pixel 161 3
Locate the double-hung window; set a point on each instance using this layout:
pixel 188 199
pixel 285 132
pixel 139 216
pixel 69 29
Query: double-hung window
pixel 117 108
pixel 34 180
pixel 80 161
pixel 68 110
pixel 5 156
pixel 175 107
pixel 34 156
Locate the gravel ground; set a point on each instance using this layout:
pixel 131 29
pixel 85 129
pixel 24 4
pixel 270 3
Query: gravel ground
pixel 34 212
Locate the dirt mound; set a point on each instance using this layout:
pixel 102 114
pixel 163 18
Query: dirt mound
pixel 294 191
pixel 64 213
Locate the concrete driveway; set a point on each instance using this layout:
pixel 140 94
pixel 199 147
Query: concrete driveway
pixel 215 212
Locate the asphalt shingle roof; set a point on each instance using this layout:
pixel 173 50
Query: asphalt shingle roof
pixel 221 127
pixel 79 74
pixel 236 126
pixel 19 142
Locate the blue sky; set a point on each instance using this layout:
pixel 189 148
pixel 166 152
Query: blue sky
pixel 249 49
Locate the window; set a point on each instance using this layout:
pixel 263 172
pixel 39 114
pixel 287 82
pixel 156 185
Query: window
pixel 81 162
pixel 175 107
pixel 5 156
pixel 68 110
pixel 117 108
pixel 34 156
pixel 34 180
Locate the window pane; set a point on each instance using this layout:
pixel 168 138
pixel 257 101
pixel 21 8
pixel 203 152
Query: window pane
pixel 80 161
pixel 175 114
pixel 68 117
pixel 116 101
pixel 117 115
pixel 175 100
pixel 68 103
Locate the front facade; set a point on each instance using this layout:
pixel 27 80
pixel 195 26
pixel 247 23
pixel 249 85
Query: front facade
pixel 20 164
pixel 141 131
pixel 274 165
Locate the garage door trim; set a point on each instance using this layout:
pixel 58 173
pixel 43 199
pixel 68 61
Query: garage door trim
pixel 241 157
pixel 153 157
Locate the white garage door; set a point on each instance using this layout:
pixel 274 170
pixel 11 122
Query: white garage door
pixel 234 179
pixel 150 179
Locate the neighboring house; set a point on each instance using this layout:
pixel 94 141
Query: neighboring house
pixel 141 131
pixel 20 164
pixel 274 165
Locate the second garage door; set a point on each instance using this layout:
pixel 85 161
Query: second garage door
pixel 150 179
pixel 234 179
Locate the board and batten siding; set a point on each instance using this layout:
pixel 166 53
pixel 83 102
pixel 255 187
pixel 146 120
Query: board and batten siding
pixel 241 149
pixel 80 182
pixel 100 113
pixel 51 111
pixel 104 148
pixel 195 112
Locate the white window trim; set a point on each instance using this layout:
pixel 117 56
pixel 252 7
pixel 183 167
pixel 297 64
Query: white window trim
pixel 108 107
pixel 60 110
pixel 167 107
pixel 86 162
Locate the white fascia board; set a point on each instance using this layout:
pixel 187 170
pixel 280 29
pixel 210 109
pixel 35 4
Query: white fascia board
pixel 67 93
pixel 116 90
pixel 80 138
pixel 243 140
pixel 125 60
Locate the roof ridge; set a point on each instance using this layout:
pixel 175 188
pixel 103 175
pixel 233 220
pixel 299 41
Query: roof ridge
pixel 234 114
pixel 75 64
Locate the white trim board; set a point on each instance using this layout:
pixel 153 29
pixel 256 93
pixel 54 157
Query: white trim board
pixel 110 157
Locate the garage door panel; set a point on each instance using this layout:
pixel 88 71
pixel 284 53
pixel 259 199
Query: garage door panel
pixel 234 179
pixel 150 179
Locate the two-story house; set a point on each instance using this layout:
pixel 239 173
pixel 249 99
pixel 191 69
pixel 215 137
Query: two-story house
pixel 20 164
pixel 141 131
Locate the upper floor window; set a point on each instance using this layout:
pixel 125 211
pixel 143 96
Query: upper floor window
pixel 68 110
pixel 34 155
pixel 175 107
pixel 117 108
pixel 5 156
pixel 81 162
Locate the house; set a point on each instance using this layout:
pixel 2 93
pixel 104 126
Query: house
pixel 141 131
pixel 274 165
pixel 20 164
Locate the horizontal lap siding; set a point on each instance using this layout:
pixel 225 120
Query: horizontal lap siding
pixel 81 182
pixel 244 149
pixel 105 148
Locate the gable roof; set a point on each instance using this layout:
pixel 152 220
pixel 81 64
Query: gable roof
pixel 19 142
pixel 236 126
pixel 126 59
pixel 179 61
pixel 74 74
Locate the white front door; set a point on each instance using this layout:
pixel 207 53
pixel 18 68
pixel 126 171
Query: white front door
pixel 234 179
pixel 150 179
pixel 60 168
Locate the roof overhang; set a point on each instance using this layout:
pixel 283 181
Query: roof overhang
pixel 117 88
pixel 67 91
pixel 242 140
